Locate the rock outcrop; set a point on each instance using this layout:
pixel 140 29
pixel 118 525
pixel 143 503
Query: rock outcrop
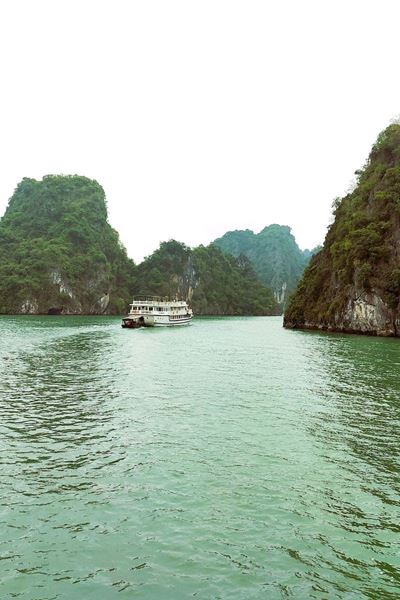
pixel 353 284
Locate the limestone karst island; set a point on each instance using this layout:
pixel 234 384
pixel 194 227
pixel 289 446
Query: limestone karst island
pixel 353 284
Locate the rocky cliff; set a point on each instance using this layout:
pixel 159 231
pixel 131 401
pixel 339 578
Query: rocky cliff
pixel 353 283
pixel 58 253
pixel 274 255
pixel 213 282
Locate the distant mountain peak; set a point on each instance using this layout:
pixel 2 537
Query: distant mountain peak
pixel 274 255
pixel 285 229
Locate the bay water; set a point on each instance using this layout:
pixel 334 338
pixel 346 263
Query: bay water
pixel 228 459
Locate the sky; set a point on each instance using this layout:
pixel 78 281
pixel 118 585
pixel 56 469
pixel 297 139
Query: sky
pixel 198 117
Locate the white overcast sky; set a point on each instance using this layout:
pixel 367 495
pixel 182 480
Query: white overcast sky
pixel 198 117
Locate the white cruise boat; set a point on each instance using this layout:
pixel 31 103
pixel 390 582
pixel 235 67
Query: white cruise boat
pixel 153 311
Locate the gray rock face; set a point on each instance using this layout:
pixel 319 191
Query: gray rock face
pixel 70 304
pixel 365 313
pixel 64 288
pixel 29 307
pixel 368 313
pixel 187 282
pixel 280 294
pixel 103 302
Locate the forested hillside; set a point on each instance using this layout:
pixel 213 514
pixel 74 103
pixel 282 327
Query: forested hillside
pixel 274 254
pixel 353 283
pixel 215 283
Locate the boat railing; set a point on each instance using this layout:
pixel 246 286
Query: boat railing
pixel 155 299
pixel 147 298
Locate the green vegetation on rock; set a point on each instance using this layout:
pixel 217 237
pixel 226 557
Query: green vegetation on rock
pixel 353 283
pixel 57 250
pixel 274 254
pixel 214 282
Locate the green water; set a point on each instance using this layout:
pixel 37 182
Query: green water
pixel 230 459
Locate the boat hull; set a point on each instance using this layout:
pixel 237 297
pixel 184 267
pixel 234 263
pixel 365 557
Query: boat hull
pixel 172 323
pixel 136 323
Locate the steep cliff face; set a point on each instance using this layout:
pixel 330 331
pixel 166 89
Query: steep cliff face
pixel 274 254
pixel 58 253
pixel 353 283
pixel 214 283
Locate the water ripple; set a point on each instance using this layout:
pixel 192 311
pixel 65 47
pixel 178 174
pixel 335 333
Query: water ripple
pixel 231 459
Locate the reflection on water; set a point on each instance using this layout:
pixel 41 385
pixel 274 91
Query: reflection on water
pixel 231 459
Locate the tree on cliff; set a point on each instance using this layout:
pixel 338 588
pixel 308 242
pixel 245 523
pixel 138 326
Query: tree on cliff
pixel 359 264
pixel 58 250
